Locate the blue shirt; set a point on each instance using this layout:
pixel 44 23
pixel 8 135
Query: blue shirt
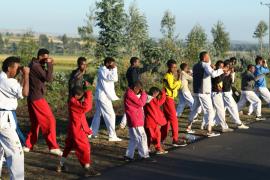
pixel 259 71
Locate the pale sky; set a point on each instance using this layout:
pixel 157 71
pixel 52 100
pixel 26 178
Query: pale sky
pixel 64 16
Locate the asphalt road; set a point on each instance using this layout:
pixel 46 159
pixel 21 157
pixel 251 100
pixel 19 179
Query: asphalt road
pixel 242 154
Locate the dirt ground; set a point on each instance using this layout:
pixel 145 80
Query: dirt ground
pixel 39 164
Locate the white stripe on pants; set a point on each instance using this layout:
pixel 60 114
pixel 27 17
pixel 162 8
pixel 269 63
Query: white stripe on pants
pixel 11 148
pixel 231 105
pixel 137 139
pixel 252 98
pixel 104 107
pixel 219 108
pixel 185 98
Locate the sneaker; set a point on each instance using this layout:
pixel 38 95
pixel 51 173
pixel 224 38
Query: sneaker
pixel 57 152
pixel 26 149
pixel 115 139
pixel 122 125
pixel 212 134
pixel 149 159
pixel 91 136
pixel 227 130
pixel 241 113
pixel 190 131
pixel 60 168
pixel 90 171
pixel 161 152
pixel 128 159
pixel 260 118
pixel 179 144
pixel 242 126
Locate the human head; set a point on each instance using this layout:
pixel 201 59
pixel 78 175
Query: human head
pixel 135 61
pixel 43 54
pixel 259 60
pixel 171 64
pixel 154 91
pixel 251 68
pixel 109 62
pixel 137 87
pixel 219 64
pixel 77 92
pixel 204 56
pixel 184 67
pixel 81 63
pixel 233 60
pixel 11 66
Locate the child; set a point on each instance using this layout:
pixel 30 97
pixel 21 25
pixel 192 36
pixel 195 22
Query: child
pixel 154 118
pixel 78 130
pixel 135 121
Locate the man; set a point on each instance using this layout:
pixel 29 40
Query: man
pixel 77 75
pixel 40 113
pixel 202 92
pixel 171 85
pixel 10 91
pixel 247 91
pixel 105 94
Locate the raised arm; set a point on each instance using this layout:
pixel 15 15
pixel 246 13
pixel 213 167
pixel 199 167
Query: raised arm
pixel 109 75
pixel 45 75
pixel 210 71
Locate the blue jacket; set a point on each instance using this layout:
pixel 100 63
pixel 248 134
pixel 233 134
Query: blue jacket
pixel 259 71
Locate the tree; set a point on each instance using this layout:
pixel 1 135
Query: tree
pixel 2 43
pixel 168 25
pixel 43 41
pixel 136 30
pixel 111 20
pixel 64 40
pixel 221 40
pixel 260 32
pixel 196 42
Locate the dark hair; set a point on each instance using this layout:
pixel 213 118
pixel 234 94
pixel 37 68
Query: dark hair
pixel 183 66
pixel 258 59
pixel 108 60
pixel 77 90
pixel 10 61
pixel 133 60
pixel 170 63
pixel 152 90
pixel 80 60
pixel 233 59
pixel 227 62
pixel 137 84
pixel 202 54
pixel 218 63
pixel 42 51
pixel 250 66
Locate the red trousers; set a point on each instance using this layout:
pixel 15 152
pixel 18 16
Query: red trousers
pixel 170 115
pixel 154 137
pixel 41 117
pixel 81 146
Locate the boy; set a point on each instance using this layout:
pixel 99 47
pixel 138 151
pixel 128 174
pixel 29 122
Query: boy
pixel 40 113
pixel 154 118
pixel 135 121
pixel 78 130
pixel 171 85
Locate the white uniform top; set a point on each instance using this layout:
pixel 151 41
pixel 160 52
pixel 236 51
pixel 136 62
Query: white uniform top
pixel 105 83
pixel 185 79
pixel 10 91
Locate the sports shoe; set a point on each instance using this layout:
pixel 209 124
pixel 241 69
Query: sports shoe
pixel 242 126
pixel 148 159
pixel 212 134
pixel 60 168
pixel 26 149
pixel 190 131
pixel 57 152
pixel 260 118
pixel 128 159
pixel 227 130
pixel 90 171
pixel 115 139
pixel 161 152
pixel 179 144
pixel 91 136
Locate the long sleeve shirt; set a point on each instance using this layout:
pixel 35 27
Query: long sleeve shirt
pixel 248 81
pixel 259 70
pixel 171 85
pixel 185 80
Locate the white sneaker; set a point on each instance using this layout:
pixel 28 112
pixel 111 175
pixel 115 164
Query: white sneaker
pixel 26 149
pixel 260 118
pixel 212 134
pixel 115 139
pixel 241 113
pixel 242 126
pixel 57 152
pixel 122 125
pixel 91 136
pixel 190 131
pixel 227 130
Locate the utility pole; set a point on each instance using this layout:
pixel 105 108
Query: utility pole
pixel 268 5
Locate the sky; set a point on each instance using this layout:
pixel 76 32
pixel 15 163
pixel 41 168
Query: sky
pixel 240 17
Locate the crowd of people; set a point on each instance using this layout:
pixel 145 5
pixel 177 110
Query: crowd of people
pixel 149 115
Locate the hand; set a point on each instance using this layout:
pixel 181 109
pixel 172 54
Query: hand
pixel 86 83
pixel 25 70
pixel 225 69
pixel 50 60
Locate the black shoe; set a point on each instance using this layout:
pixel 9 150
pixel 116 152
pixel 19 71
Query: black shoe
pixel 91 172
pixel 179 144
pixel 128 159
pixel 61 168
pixel 149 159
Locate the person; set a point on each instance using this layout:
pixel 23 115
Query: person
pixel 78 130
pixel 171 85
pixel 133 75
pixel 105 94
pixel 77 75
pixel 10 91
pixel 135 121
pixel 217 100
pixel 229 102
pixel 260 84
pixel 154 118
pixel 247 91
pixel 202 92
pixel 40 113
pixel 185 96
